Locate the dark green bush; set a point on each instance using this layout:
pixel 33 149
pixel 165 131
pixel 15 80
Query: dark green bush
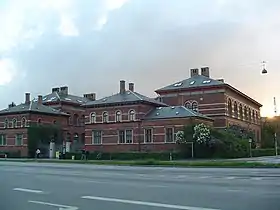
pixel 263 152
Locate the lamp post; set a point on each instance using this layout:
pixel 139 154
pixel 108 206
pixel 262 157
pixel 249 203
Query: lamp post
pixel 250 147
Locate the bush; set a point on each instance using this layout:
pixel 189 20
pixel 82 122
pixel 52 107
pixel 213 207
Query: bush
pixel 263 152
pixel 11 154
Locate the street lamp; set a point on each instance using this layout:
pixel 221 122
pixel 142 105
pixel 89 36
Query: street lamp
pixel 264 71
pixel 250 146
pixel 275 144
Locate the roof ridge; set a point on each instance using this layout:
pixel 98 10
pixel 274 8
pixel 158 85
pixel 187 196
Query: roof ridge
pixel 135 95
pixel 58 96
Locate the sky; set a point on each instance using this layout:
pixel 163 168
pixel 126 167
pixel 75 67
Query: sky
pixel 90 45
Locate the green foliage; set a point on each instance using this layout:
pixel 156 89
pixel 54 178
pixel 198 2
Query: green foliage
pixel 263 152
pixel 268 136
pixel 38 135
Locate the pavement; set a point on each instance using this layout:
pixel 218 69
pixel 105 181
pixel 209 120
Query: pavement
pixel 55 186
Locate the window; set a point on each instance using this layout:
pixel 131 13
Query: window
pixel 105 117
pixel 131 115
pixel 39 121
pixel 195 106
pixel 76 120
pixel 19 140
pixel 96 137
pixel 23 122
pixel 128 136
pixel 125 136
pixel 93 117
pixel 14 123
pixel 188 105
pixel 118 116
pixel 169 135
pixel 148 138
pixel 3 140
pixel 54 122
pixel 6 123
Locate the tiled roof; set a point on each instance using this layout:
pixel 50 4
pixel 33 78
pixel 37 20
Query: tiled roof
pixel 192 82
pixel 56 96
pixel 173 112
pixel 32 107
pixel 127 97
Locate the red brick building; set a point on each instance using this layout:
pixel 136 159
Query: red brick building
pixel 60 99
pixel 214 98
pixel 15 121
pixel 129 121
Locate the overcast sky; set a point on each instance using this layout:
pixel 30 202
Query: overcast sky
pixel 90 45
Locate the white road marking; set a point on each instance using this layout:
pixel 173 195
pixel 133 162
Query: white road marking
pixel 230 177
pixel 60 207
pixel 256 178
pixel 143 203
pixel 181 176
pixel 204 177
pixel 28 190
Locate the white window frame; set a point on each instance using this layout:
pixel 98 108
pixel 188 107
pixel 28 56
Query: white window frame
pixel 173 135
pixel 16 139
pixel 118 116
pixel 23 125
pixel 192 106
pixel 152 135
pixel 14 123
pixel 189 104
pixel 101 137
pixel 107 117
pixel 1 139
pixel 125 136
pixel 6 123
pixel 129 115
pixel 92 117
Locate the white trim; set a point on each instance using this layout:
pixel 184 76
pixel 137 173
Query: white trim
pixel 21 124
pixel 90 117
pixel 134 115
pixel 125 130
pixel 103 117
pixel 152 135
pixel 14 124
pixel 120 120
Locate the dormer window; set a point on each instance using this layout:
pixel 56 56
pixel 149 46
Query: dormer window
pixel 206 81
pixel 192 82
pixel 105 117
pixel 178 84
pixel 131 115
pixel 118 116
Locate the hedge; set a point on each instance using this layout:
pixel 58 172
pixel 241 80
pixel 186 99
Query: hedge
pixel 264 152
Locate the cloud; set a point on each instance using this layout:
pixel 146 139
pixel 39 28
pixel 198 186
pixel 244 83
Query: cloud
pixel 7 71
pixel 90 45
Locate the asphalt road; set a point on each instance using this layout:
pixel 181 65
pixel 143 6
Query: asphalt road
pixel 46 186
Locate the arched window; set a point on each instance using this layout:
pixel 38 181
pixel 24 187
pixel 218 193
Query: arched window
pixel 229 107
pixel 253 116
pixel 195 106
pixel 249 115
pixel 82 120
pixel 245 113
pixel 92 117
pixel 76 138
pixel 54 122
pixel 131 115
pixel 188 105
pixel 240 111
pixel 118 116
pixel 23 122
pixel 257 117
pixel 6 123
pixel 105 117
pixel 14 125
pixel 39 121
pixel 235 110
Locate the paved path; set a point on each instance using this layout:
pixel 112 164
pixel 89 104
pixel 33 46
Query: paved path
pixel 47 186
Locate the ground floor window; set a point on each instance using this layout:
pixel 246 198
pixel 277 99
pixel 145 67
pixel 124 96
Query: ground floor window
pixel 148 135
pixel 125 136
pixel 96 137
pixel 3 140
pixel 19 140
pixel 169 134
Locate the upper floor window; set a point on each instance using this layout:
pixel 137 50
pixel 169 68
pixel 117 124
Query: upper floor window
pixel 23 122
pixel 195 106
pixel 76 120
pixel 118 116
pixel 188 105
pixel 92 117
pixel 54 122
pixel 131 115
pixel 105 117
pixel 39 121
pixel 14 123
pixel 6 123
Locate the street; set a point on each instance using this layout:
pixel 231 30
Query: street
pixel 54 186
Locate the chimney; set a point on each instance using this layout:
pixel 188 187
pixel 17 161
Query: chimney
pixel 40 99
pixel 12 105
pixel 56 89
pixel 27 98
pixel 122 87
pixel 205 71
pixel 194 72
pixel 64 90
pixel 131 86
pixel 90 96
